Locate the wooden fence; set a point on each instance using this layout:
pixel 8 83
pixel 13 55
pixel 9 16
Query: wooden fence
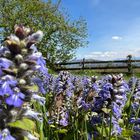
pixel 129 65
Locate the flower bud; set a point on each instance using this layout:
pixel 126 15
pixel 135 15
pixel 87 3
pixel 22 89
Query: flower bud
pixel 23 66
pixel 19 58
pixel 34 38
pixel 13 43
pixel 22 82
pixel 21 31
pixel 24 51
pixel 7 53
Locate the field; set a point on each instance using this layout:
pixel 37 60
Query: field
pixel 87 108
pixel 81 105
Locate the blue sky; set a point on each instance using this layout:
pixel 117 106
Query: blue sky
pixel 113 27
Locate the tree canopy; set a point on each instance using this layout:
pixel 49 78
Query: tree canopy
pixel 61 34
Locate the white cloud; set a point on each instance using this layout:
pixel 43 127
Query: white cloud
pixel 116 38
pixel 112 55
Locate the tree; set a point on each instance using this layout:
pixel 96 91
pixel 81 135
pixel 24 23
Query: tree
pixel 61 35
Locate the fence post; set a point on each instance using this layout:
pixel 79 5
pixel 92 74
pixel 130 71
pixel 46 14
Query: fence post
pixel 83 63
pixel 129 64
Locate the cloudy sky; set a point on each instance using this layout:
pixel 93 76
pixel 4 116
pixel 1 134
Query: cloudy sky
pixel 113 27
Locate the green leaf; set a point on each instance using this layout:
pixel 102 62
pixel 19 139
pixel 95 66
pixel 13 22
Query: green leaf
pixel 25 124
pixel 25 138
pixel 53 126
pixel 127 133
pixel 128 103
pixel 61 131
pixel 105 130
pixel 33 88
pixel 106 110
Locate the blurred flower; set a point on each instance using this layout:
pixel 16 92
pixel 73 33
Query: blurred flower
pixel 38 98
pixel 5 135
pixel 64 119
pixel 21 31
pixel 116 127
pixel 29 136
pixel 5 63
pixel 16 98
pixel 6 83
pixel 135 121
pixel 13 43
pixel 40 84
pixel 32 114
pixel 37 56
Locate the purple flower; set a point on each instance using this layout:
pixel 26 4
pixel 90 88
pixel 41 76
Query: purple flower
pixel 9 79
pixel 5 88
pixel 89 136
pixel 36 37
pixel 96 120
pixel 95 87
pixel 107 86
pixel 105 94
pixel 32 114
pixel 68 93
pixel 85 105
pixel 5 63
pixel 135 106
pixel 135 136
pixel 116 128
pixel 136 128
pixel 1 72
pixel 64 119
pixel 5 135
pixel 98 104
pixel 5 85
pixel 64 122
pixel 29 135
pixel 3 50
pixel 40 84
pixel 34 48
pixel 116 110
pixel 40 99
pixel 135 121
pixel 16 99
pixel 40 62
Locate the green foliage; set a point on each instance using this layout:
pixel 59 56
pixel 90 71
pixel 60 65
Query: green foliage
pixel 127 133
pixel 61 131
pixel 61 35
pixel 25 124
pixel 85 72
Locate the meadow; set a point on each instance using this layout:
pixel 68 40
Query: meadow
pixel 37 105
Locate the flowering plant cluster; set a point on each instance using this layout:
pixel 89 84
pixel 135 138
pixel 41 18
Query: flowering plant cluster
pixel 94 108
pixel 90 103
pixel 35 105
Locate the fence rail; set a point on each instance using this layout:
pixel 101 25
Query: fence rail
pixel 127 64
pixel 95 62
